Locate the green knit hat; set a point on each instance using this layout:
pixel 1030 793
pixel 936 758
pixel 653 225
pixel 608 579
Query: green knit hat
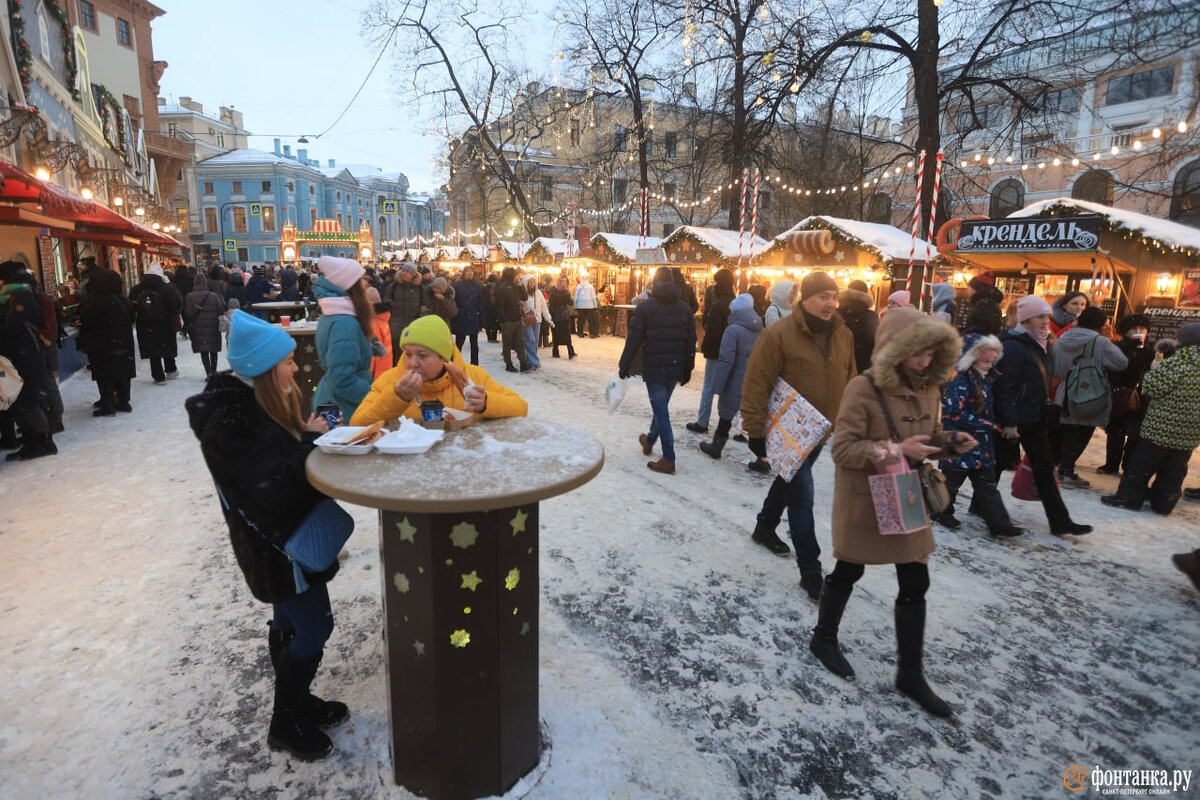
pixel 430 332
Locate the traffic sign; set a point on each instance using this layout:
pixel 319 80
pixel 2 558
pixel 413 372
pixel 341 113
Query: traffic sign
pixel 231 245
pixel 389 206
pixel 256 209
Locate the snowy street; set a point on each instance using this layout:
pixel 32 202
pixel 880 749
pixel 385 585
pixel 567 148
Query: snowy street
pixel 674 651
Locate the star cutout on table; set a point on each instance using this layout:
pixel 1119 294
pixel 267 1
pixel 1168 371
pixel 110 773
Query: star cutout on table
pixel 460 638
pixel 400 581
pixel 470 580
pixel 406 531
pixel 525 629
pixel 839 256
pixel 512 579
pixel 518 522
pixel 463 535
pixel 419 647
pixel 309 349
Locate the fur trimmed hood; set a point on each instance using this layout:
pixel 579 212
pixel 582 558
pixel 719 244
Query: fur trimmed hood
pixel 906 331
pixel 848 297
pixel 973 345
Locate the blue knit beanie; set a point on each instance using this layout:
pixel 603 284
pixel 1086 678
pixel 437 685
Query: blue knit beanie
pixel 255 346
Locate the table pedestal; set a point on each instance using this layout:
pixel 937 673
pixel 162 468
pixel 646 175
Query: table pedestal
pixel 461 627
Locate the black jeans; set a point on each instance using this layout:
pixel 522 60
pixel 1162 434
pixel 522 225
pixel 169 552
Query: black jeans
pixel 1168 467
pixel 157 366
pixel 210 362
pixel 1074 441
pixel 459 338
pixel 987 500
pixel 512 336
pixel 592 317
pixel 1121 435
pixel 1037 447
pixel 114 391
pixel 911 578
pixel 796 496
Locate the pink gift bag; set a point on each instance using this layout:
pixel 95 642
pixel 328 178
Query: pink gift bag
pixel 898 500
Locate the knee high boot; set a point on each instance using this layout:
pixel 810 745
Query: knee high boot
pixel 290 729
pixel 714 448
pixel 322 713
pixel 910 674
pixel 824 642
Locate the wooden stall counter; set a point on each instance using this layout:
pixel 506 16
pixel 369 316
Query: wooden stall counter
pixel 458 540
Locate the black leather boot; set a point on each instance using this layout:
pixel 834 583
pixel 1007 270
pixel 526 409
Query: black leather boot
pixel 322 713
pixel 290 729
pixel 824 642
pixel 910 674
pixel 714 447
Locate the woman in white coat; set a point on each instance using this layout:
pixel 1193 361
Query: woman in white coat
pixel 536 302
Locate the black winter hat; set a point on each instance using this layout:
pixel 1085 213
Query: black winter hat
pixel 11 271
pixel 1131 321
pixel 1092 318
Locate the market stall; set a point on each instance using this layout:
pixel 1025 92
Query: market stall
pixel 622 271
pixel 700 252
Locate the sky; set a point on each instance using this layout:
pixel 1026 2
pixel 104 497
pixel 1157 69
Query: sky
pixel 291 68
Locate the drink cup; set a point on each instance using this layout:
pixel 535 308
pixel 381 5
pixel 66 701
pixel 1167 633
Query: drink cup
pixel 285 321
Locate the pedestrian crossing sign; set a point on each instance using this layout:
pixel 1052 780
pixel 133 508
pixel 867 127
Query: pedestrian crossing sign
pixel 230 245
pixel 256 209
pixel 389 206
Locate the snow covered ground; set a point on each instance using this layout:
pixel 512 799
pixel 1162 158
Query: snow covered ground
pixel 674 651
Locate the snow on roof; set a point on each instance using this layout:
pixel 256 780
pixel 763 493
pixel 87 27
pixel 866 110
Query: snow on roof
pixel 251 157
pixel 1163 230
pixel 894 243
pixel 476 250
pixel 723 241
pixel 626 244
pixel 552 245
pixel 514 249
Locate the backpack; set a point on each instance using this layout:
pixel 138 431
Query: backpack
pixel 51 330
pixel 151 306
pixel 1087 385
pixel 10 384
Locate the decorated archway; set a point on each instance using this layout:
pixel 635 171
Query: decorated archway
pixel 326 233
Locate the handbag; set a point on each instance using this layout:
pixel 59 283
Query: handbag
pixel 529 318
pixel 1023 485
pixel 931 479
pixel 315 543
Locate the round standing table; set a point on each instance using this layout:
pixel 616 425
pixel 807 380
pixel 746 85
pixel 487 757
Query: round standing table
pixel 277 308
pixel 458 540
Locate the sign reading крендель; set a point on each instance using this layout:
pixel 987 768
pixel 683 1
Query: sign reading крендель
pixel 1006 235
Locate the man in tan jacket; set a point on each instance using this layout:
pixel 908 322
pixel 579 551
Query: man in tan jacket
pixel 813 351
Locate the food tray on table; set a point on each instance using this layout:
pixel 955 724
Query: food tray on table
pixel 350 440
pixel 410 439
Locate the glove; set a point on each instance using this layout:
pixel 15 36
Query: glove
pixel 758 447
pixel 377 349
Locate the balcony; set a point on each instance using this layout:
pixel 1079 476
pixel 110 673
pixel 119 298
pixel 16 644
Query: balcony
pixel 163 145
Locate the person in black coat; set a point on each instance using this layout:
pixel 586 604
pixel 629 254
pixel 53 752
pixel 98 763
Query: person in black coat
pixel 249 423
pixel 1022 394
pixel 984 316
pixel 510 297
pixel 404 293
pixel 663 329
pixel 106 335
pixel 20 319
pixel 714 320
pixel 491 323
pixel 202 310
pixel 560 312
pixel 1125 419
pixel 468 296
pixel 854 307
pixel 156 306
pixel 686 293
pixel 289 286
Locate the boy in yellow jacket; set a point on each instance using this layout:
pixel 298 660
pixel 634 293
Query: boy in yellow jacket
pixel 431 368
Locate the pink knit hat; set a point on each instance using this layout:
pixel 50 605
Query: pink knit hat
pixel 1031 306
pixel 341 272
pixel 900 298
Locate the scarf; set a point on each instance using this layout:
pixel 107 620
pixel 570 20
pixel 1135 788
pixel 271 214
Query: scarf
pixel 914 380
pixel 1062 318
pixel 1041 337
pixel 336 305
pixel 8 290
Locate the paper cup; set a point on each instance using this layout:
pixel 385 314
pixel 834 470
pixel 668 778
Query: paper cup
pixel 285 321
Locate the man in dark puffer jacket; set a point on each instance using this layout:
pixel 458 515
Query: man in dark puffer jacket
pixel 664 330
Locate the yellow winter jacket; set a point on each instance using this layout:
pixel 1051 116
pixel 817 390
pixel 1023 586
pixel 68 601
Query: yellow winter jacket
pixel 381 402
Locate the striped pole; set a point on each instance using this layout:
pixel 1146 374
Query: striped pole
pixel 916 226
pixel 742 222
pixel 754 214
pixel 927 278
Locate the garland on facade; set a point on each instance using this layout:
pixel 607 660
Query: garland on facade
pixel 24 57
pixel 108 104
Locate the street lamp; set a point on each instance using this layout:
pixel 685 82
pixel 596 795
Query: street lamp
pixel 221 227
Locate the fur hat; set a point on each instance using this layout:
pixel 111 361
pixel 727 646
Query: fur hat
pixel 973 347
pixel 1031 306
pixel 984 280
pixel 858 286
pixel 1092 318
pixel 1189 335
pixel 815 283
pixel 341 272
pixel 430 332
pixel 740 302
pixel 1131 321
pixel 904 332
pixel 256 345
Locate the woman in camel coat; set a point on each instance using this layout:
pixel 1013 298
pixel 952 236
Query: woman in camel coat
pixel 914 357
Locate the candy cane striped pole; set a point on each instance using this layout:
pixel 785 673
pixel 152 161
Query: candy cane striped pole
pixel 645 216
pixel 742 211
pixel 916 226
pixel 754 214
pixel 927 278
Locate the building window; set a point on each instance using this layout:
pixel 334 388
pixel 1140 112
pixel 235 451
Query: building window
pixel 243 254
pixel 1140 85
pixel 764 201
pixel 1095 186
pixel 312 215
pixel 649 143
pixel 879 209
pixel 208 187
pixel 266 186
pixel 339 219
pixel 699 149
pixel 240 224
pixel 270 253
pixel 547 190
pixel 44 35
pixel 237 187
pixel 1007 197
pixel 220 139
pixel 1185 200
pixel 124 35
pixel 181 218
pixel 576 131
pixel 667 229
pixel 620 190
pixel 670 144
pixel 1060 101
pixel 620 139
pixel 210 220
pixel 989 115
pixel 312 190
pixel 172 129
pixel 339 197
pixel 268 219
pixel 669 192
pixel 87 15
